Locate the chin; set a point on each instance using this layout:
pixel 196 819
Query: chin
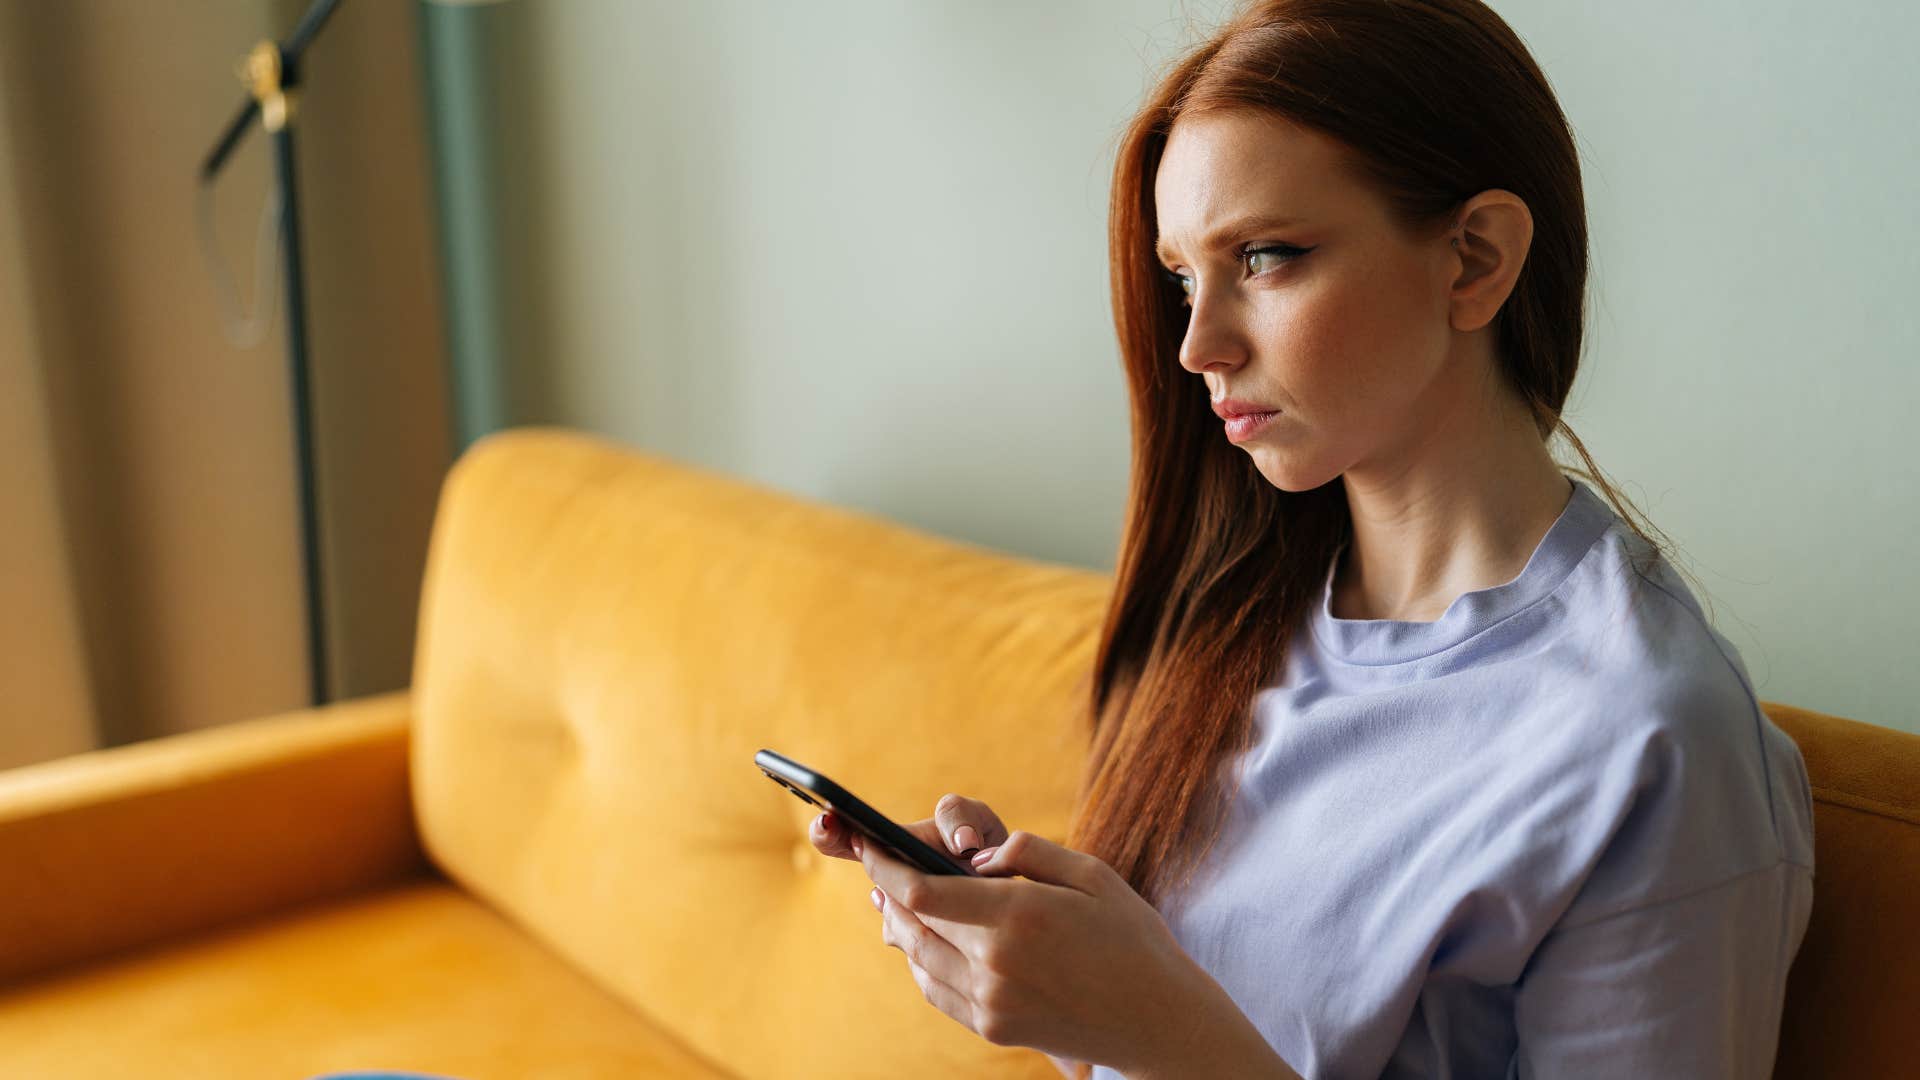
pixel 1289 476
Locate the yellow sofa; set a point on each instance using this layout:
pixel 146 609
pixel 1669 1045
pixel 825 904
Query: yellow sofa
pixel 552 856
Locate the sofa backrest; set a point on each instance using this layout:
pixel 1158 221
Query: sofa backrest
pixel 606 638
pixel 1853 996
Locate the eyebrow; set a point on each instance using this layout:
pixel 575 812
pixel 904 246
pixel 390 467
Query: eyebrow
pixel 1237 229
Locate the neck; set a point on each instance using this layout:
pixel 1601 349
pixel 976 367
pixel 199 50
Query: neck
pixel 1463 508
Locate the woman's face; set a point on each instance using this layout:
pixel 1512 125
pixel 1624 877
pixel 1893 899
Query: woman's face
pixel 1335 318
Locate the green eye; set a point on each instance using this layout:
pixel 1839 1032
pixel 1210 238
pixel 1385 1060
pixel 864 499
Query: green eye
pixel 1285 253
pixel 1276 254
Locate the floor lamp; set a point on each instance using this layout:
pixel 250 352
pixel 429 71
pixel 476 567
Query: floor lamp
pixel 272 73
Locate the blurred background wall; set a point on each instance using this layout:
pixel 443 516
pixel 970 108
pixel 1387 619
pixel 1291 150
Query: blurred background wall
pixel 151 550
pixel 854 249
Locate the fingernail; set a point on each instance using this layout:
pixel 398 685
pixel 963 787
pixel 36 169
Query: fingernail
pixel 984 854
pixel 965 838
pixel 878 903
pixel 855 843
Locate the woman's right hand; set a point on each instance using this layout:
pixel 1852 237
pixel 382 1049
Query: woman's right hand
pixel 977 826
pixel 959 826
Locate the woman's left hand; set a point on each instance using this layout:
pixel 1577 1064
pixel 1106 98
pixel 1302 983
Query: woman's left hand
pixel 1066 959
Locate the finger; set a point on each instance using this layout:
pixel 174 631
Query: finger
pixel 896 878
pixel 916 938
pixel 945 998
pixel 937 966
pixel 832 835
pixel 969 901
pixel 885 871
pixel 1039 859
pixel 968 938
pixel 966 824
pixel 983 864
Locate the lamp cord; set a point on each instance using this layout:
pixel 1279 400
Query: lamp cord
pixel 243 330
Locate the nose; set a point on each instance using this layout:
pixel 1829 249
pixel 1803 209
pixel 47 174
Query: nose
pixel 1214 341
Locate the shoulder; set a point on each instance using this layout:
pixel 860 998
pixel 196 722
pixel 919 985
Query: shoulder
pixel 1647 643
pixel 1691 783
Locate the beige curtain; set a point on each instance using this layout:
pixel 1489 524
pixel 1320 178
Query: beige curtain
pixel 149 525
pixel 48 705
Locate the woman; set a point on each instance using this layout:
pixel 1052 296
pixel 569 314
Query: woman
pixel 1410 755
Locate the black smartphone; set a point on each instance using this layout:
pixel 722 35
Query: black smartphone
pixel 814 788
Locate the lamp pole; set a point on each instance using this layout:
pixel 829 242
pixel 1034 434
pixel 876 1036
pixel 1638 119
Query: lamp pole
pixel 272 73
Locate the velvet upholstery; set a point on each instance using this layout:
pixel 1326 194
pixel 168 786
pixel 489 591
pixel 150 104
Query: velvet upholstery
pixel 552 855
pixel 1853 996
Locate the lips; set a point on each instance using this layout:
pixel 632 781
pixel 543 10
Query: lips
pixel 1242 428
pixel 1229 408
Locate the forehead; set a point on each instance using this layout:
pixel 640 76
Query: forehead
pixel 1221 166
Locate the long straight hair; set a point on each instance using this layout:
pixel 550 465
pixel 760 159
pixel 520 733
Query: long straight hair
pixel 1435 101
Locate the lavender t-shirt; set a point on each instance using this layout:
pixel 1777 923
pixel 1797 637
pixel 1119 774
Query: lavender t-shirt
pixel 1549 834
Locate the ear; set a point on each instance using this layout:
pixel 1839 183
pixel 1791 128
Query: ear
pixel 1488 245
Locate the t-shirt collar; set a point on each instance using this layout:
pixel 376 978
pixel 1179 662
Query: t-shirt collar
pixel 1392 641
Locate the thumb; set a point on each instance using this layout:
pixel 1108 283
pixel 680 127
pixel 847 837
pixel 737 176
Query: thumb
pixel 1039 859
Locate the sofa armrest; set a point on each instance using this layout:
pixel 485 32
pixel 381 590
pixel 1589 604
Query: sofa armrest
pixel 118 848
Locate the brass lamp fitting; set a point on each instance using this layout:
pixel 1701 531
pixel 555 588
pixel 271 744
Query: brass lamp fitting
pixel 261 73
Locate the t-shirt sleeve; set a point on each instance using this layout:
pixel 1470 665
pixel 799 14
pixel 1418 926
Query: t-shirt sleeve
pixel 1692 986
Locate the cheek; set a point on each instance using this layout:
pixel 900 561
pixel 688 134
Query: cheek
pixel 1327 347
pixel 1353 347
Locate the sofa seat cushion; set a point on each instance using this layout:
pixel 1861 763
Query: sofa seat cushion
pixel 420 976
